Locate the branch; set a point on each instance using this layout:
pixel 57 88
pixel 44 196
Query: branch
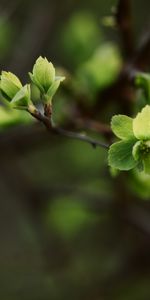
pixel 58 130
pixel 94 125
pixel 122 90
pixel 124 21
pixel 141 61
pixel 142 58
pixel 81 137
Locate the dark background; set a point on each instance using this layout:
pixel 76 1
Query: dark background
pixel 68 230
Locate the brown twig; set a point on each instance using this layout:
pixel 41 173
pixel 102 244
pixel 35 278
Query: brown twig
pixel 124 22
pixel 122 90
pixel 80 137
pixel 94 125
pixel 58 130
pixel 142 57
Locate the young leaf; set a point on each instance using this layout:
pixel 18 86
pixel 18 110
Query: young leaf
pixel 120 155
pixel 122 126
pixel 141 124
pixel 136 152
pixel 54 87
pixel 43 74
pixel 143 81
pixel 9 85
pixel 146 163
pixel 22 98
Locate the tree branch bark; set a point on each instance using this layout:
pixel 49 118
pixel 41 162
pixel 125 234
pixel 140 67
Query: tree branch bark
pixel 124 22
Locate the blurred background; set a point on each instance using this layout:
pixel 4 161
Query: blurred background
pixel 69 227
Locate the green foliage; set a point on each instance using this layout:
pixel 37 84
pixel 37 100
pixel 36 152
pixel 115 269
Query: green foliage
pixel 80 37
pixel 68 215
pixel 9 118
pixel 22 99
pixel 135 147
pixel 142 80
pixel 120 155
pixel 68 229
pixel 44 78
pixel 9 85
pixel 43 74
pixel 141 124
pixel 100 70
pixel 20 96
pixel 133 150
pixel 138 183
pixel 122 126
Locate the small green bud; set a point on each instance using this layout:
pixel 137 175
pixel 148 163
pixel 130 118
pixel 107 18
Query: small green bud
pixel 43 76
pixel 54 87
pixel 22 99
pixel 9 85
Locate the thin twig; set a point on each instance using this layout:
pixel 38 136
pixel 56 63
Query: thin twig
pixel 58 130
pixel 81 137
pixel 94 125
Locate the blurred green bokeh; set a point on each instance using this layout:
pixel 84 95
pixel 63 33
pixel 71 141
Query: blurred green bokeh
pixel 68 228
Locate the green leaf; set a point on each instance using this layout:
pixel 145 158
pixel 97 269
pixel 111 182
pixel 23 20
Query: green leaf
pixel 100 70
pixel 120 155
pixel 139 184
pixel 9 85
pixel 141 124
pixel 143 81
pixel 11 117
pixel 146 163
pixel 122 126
pixel 43 74
pixel 136 152
pixel 36 83
pixel 22 98
pixel 54 87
